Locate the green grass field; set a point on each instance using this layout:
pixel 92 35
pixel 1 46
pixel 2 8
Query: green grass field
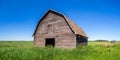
pixel 26 51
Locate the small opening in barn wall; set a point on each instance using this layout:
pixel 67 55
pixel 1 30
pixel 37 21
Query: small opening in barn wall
pixel 50 42
pixel 49 28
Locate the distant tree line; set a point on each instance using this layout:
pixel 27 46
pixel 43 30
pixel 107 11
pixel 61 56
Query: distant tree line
pixel 112 41
pixel 101 40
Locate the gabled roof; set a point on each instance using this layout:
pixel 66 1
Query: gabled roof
pixel 76 29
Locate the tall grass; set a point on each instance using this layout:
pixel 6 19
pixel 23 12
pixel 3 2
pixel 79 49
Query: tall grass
pixel 26 51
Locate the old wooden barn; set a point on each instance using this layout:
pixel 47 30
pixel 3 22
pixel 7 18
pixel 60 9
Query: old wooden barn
pixel 57 30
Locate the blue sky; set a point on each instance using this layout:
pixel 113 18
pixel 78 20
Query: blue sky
pixel 100 19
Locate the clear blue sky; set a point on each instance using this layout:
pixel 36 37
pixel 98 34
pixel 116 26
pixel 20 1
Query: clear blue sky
pixel 100 19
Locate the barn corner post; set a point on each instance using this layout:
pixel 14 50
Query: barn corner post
pixel 56 30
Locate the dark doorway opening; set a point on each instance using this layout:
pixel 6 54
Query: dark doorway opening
pixel 50 42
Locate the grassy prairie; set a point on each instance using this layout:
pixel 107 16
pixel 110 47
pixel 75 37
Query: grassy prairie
pixel 26 51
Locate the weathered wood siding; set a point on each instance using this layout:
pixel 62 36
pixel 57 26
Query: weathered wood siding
pixel 54 26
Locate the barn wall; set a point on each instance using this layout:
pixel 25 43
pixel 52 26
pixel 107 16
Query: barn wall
pixel 54 26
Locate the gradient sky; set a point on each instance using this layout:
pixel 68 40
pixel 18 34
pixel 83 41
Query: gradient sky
pixel 100 19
